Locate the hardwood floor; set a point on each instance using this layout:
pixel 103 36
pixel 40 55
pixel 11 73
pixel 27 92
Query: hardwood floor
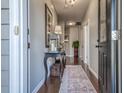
pixel 53 83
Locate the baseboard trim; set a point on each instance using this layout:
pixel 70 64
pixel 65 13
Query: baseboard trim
pixel 92 75
pixel 86 66
pixel 38 86
pixel 94 79
pixel 93 72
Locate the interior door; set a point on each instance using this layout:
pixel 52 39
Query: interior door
pixel 104 47
pixel 108 46
pixel 28 45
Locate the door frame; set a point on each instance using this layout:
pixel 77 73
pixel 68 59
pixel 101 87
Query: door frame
pixel 122 45
pixel 119 27
pixel 18 46
pixel 86 45
pixel 115 45
pixel 29 43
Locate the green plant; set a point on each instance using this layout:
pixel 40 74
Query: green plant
pixel 75 44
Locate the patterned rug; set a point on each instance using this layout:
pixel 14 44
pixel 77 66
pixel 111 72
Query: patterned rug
pixel 75 80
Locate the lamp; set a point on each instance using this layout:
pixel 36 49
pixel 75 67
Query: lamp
pixel 58 30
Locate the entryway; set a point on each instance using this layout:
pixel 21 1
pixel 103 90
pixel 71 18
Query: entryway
pixel 43 26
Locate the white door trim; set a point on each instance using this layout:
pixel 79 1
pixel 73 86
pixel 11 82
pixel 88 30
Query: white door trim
pixel 23 47
pixel 14 46
pixel 86 43
pixel 18 46
pixel 28 51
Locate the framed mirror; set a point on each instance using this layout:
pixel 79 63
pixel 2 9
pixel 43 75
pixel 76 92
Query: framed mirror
pixel 48 25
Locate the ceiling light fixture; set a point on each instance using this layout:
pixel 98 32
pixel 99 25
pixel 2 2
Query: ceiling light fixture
pixel 71 23
pixel 69 2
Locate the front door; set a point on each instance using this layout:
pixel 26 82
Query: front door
pixel 103 47
pixel 108 48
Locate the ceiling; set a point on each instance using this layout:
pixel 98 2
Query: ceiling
pixel 74 13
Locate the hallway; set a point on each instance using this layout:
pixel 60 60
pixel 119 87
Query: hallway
pixel 83 34
pixel 64 26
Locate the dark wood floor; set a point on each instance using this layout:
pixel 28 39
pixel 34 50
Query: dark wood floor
pixel 53 83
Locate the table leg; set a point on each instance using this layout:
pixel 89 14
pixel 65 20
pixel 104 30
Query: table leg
pixel 61 67
pixel 46 69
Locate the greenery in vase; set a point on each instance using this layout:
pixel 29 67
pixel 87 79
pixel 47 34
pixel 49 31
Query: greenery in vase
pixel 75 44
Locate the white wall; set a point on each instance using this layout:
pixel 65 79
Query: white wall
pixel 37 38
pixel 92 16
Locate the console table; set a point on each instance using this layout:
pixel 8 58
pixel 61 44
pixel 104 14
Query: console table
pixel 54 55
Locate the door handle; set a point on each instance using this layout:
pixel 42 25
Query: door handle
pixel 98 46
pixel 29 45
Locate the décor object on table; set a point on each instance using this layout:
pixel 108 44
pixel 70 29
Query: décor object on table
pixel 48 25
pixel 75 45
pixel 61 46
pixel 53 42
pixel 55 39
pixel 53 45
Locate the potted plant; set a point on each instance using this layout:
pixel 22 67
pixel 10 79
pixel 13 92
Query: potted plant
pixel 75 45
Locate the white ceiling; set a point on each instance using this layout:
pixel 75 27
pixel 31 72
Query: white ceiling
pixel 74 13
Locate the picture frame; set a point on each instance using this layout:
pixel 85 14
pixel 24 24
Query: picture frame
pixel 48 25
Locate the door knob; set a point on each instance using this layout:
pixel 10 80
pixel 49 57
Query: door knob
pixel 98 46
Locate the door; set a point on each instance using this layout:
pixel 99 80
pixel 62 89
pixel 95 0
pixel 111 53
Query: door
pixel 103 47
pixel 108 46
pixel 28 46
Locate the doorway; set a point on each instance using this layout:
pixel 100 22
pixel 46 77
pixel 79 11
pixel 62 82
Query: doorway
pixel 86 43
pixel 105 52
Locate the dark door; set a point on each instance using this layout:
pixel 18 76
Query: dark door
pixel 108 48
pixel 103 47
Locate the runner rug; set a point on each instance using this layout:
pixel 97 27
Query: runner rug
pixel 75 80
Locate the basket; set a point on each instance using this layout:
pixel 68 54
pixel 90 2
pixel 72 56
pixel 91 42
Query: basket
pixel 55 70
